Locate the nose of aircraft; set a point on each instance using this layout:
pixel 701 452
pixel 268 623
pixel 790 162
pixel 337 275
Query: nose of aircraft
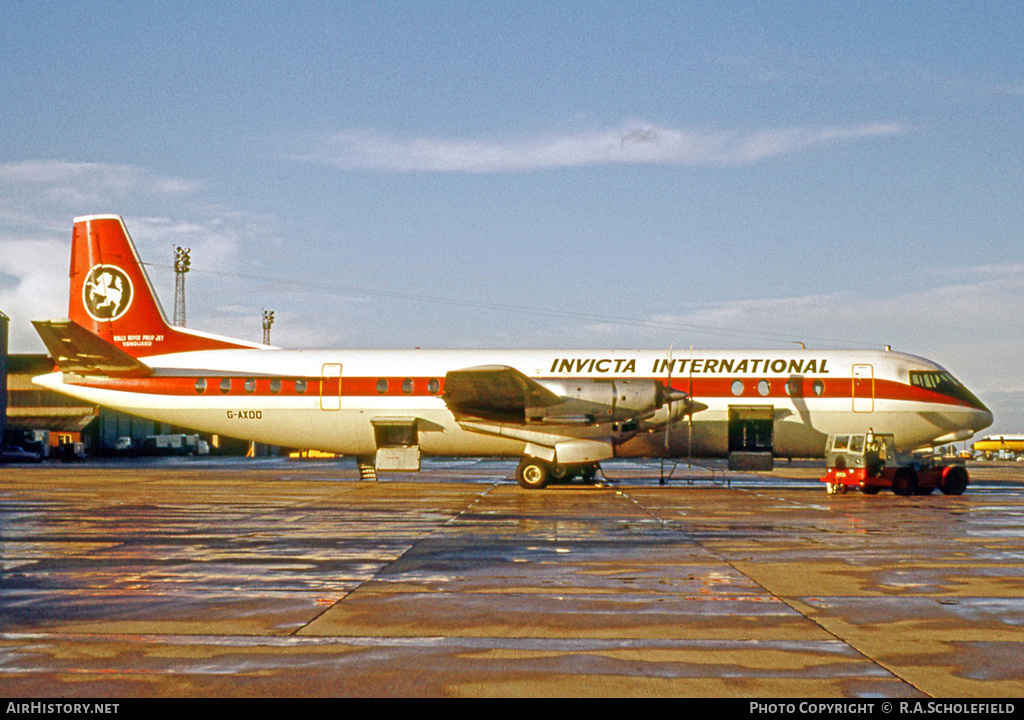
pixel 983 418
pixel 972 421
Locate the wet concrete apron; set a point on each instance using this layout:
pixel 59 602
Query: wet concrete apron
pixel 302 581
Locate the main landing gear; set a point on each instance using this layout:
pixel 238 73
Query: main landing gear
pixel 534 473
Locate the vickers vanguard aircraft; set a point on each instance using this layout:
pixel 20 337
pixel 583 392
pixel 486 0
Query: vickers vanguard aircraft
pixel 561 411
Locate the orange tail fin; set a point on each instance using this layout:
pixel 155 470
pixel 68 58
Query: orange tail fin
pixel 112 297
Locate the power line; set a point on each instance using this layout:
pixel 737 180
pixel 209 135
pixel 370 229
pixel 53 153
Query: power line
pixel 542 312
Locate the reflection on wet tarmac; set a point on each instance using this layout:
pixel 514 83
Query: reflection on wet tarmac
pixel 276 578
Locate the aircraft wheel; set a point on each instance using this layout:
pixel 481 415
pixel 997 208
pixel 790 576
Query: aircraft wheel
pixel 532 474
pixel 560 473
pixel 905 482
pixel 955 482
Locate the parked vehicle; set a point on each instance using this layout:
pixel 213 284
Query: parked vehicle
pixel 871 462
pixel 174 445
pixel 15 454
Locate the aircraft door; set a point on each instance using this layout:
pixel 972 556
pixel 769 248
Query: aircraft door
pixel 751 437
pixel 863 388
pixel 397 443
pixel 330 386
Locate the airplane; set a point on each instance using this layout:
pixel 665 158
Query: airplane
pixel 561 411
pixel 1011 444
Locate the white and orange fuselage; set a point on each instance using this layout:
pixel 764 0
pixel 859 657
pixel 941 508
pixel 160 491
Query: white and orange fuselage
pixel 117 350
pixel 326 399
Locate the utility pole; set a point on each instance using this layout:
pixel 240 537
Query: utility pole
pixel 268 320
pixel 181 266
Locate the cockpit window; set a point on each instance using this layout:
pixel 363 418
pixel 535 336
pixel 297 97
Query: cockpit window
pixel 945 384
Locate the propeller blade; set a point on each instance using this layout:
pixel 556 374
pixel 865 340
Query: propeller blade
pixel 668 395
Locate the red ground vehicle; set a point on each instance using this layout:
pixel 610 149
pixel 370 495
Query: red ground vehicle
pixel 871 462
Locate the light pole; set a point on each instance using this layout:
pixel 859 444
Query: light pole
pixel 182 261
pixel 268 320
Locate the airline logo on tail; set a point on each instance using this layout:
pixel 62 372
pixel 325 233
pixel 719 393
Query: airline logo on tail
pixel 110 296
pixel 107 292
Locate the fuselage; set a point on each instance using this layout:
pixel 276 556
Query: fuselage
pixel 997 443
pixel 787 401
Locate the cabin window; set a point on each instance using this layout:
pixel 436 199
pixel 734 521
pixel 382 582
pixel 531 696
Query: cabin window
pixel 763 388
pixel 793 387
pixel 433 387
pixel 737 387
pixel 275 385
pixel 200 385
pixel 407 386
pixel 382 385
pixel 300 386
pixel 250 385
pixel 819 388
pixel 225 385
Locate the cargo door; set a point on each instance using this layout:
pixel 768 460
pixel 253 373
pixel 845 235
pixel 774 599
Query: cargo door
pixel 397 442
pixel 863 388
pixel 330 386
pixel 751 437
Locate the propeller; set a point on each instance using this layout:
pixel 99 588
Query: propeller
pixel 689 418
pixel 690 407
pixel 668 395
pixel 669 392
pixel 671 395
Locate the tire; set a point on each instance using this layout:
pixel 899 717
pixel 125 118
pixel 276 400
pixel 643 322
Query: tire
pixel 870 489
pixel 533 474
pixel 560 473
pixel 905 482
pixel 955 481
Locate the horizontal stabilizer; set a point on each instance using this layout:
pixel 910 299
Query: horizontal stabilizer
pixel 80 352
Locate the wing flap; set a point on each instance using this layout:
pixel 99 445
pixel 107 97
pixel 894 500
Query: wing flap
pixel 80 352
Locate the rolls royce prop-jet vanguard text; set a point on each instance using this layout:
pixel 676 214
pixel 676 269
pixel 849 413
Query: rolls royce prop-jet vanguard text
pixel 561 411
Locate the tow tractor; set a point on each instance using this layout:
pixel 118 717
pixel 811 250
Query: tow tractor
pixel 871 462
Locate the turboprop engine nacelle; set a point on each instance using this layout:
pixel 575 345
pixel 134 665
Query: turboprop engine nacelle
pixel 672 412
pixel 595 401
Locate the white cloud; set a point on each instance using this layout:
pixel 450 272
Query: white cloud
pixel 634 143
pixel 37 290
pixel 40 198
pixel 35 192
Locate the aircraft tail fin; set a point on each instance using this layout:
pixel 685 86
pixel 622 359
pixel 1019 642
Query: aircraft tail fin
pixel 111 295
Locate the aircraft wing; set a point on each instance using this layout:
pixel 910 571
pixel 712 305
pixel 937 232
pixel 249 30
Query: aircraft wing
pixel 78 351
pixel 494 392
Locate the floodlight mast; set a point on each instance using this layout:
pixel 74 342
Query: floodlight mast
pixel 268 320
pixel 182 263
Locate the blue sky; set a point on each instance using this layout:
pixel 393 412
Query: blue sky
pixel 536 174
